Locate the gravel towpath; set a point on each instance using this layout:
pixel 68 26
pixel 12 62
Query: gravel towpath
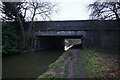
pixel 81 70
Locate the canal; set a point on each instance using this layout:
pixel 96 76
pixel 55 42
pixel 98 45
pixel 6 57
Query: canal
pixel 28 65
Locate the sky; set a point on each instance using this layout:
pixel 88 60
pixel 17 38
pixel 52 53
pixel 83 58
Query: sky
pixel 72 10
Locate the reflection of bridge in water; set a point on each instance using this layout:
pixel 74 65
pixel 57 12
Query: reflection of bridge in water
pixel 93 33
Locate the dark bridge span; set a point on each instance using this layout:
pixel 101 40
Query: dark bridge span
pixel 94 33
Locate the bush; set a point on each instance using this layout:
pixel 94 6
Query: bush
pixel 9 39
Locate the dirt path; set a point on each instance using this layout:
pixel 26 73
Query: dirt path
pixel 81 67
pixel 70 69
pixel 81 70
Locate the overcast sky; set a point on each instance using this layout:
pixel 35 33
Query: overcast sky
pixel 72 10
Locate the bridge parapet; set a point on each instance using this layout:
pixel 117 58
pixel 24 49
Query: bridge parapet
pixel 60 33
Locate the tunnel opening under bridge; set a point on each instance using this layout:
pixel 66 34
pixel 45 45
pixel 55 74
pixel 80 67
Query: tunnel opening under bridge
pixel 73 43
pixel 59 42
pixel 57 39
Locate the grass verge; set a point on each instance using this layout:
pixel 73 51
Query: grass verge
pixel 60 60
pixel 56 69
pixel 98 64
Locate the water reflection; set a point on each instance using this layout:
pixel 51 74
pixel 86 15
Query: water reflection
pixel 28 65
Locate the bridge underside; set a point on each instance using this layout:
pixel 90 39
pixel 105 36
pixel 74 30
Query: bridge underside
pixel 55 39
pixel 55 42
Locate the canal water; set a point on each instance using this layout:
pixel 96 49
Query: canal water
pixel 28 65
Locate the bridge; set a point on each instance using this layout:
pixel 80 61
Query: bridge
pixel 93 33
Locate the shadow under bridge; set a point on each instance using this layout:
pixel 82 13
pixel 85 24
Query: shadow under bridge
pixel 50 39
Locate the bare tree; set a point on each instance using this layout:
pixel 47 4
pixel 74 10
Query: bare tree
pixel 37 10
pixel 30 10
pixel 105 10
